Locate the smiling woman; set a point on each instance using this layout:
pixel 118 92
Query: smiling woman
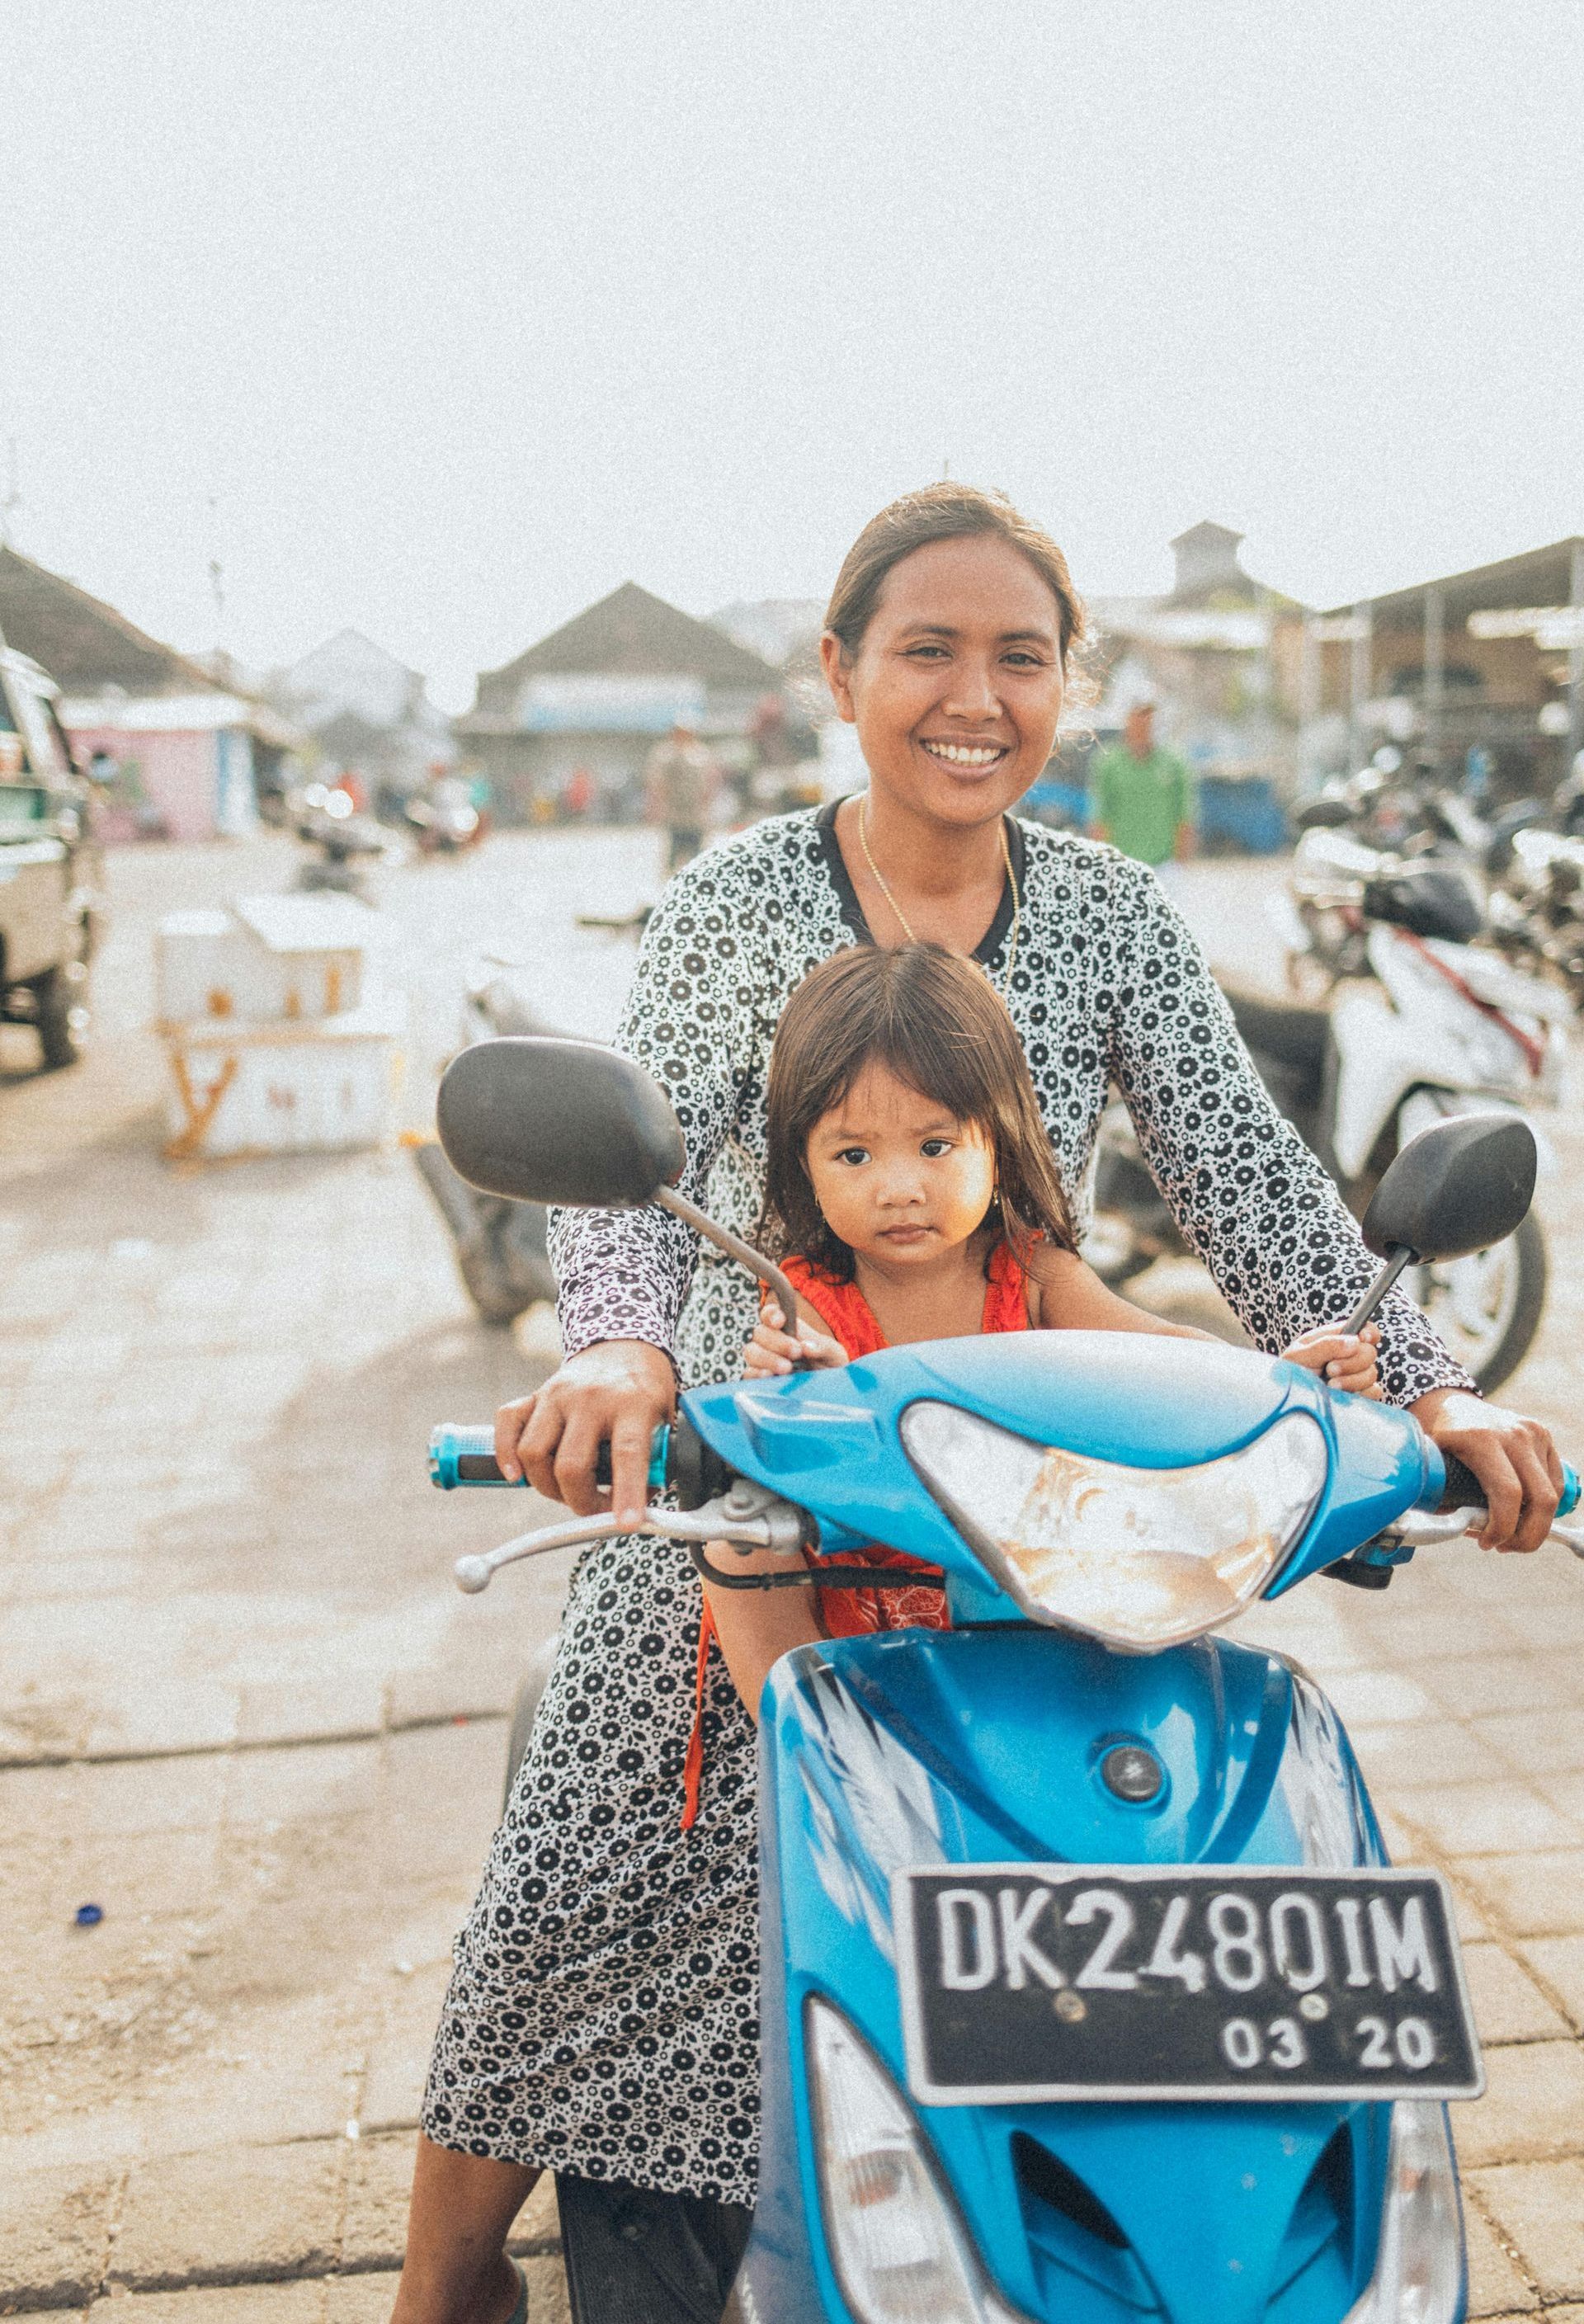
pixel 600 2020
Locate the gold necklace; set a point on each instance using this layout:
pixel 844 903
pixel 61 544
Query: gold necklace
pixel 901 917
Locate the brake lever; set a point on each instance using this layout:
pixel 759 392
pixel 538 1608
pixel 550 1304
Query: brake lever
pixel 747 1517
pixel 1421 1529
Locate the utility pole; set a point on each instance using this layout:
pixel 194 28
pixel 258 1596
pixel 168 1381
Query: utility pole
pixel 1576 659
pixel 13 500
pixel 217 573
pixel 1435 668
pixel 1359 662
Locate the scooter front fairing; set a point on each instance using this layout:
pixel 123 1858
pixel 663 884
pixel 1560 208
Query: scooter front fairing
pixel 981 1747
pixel 992 1745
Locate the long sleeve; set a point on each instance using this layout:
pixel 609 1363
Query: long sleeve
pixel 1250 1199
pixel 688 1020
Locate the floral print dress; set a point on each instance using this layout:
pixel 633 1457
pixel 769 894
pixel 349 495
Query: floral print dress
pixel 601 2013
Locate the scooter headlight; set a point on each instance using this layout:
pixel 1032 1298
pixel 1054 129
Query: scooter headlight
pixel 1419 2266
pixel 1140 1557
pixel 896 2242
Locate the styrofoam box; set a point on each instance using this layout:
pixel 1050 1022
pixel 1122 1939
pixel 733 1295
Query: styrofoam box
pixel 268 960
pixel 321 1086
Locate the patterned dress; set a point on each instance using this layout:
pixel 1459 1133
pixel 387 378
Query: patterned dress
pixel 601 2016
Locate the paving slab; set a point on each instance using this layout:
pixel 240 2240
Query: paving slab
pixel 55 2236
pixel 1533 2110
pixel 1539 2208
pixel 234 2215
pixel 1508 2006
pixel 1497 2285
pixel 247 2303
pixel 1558 1961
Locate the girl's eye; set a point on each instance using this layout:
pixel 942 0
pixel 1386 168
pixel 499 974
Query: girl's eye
pixel 927 653
pixel 853 1154
pixel 934 1148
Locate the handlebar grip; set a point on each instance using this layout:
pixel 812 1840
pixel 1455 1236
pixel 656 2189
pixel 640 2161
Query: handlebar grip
pixel 1464 1490
pixel 460 1455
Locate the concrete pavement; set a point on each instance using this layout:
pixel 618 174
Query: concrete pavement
pixel 245 1714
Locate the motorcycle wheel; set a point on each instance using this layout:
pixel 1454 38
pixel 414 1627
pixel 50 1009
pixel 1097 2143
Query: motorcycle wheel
pixel 1487 1308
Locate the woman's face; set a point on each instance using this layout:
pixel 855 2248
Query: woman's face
pixel 900 1181
pixel 956 688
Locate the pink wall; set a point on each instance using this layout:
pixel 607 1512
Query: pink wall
pixel 178 774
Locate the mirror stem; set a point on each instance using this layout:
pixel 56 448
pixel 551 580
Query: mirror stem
pixel 734 1248
pixel 1399 1259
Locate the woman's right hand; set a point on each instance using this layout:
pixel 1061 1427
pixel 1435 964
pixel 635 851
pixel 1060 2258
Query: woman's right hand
pixel 617 1392
pixel 772 1353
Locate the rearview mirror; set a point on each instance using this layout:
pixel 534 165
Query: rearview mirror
pixel 1460 1186
pixel 541 1120
pixel 557 1121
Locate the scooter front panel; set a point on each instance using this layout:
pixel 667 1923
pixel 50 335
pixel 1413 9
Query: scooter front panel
pixel 875 1755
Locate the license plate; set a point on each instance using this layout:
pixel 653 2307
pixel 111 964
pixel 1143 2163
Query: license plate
pixel 1025 1983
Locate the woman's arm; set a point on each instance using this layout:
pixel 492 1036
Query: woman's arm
pixel 623 1275
pixel 1250 1199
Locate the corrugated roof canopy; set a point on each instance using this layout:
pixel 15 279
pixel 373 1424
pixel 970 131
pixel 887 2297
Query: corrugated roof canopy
pixel 1540 576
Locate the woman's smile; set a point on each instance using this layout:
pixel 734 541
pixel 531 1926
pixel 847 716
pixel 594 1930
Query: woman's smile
pixel 976 756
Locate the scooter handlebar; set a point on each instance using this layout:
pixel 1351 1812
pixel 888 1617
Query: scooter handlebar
pixel 679 1461
pixel 1464 1490
pixel 460 1455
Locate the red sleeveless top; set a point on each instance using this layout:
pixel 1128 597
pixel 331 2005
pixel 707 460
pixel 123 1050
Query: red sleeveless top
pixel 849 1319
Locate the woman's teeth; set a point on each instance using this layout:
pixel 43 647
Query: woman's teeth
pixel 967 755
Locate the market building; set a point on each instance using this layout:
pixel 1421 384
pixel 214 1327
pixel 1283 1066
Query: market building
pixel 581 711
pixel 1491 660
pixel 369 713
pixel 183 754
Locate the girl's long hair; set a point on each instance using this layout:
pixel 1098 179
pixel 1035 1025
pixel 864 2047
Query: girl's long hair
pixel 935 1020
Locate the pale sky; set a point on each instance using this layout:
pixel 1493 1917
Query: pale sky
pixel 464 313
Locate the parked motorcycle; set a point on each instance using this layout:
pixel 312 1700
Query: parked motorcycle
pixel 501 1248
pixel 1425 1026
pixel 1087 1990
pixel 1537 914
pixel 446 822
pixel 342 842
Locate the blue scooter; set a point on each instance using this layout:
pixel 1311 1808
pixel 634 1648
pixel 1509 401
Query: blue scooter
pixel 1088 1992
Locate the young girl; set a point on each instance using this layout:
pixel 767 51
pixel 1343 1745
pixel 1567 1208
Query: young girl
pixel 910 1193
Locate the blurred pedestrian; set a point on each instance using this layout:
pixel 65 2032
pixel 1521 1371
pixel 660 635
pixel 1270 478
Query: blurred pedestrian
pixel 1141 794
pixel 681 778
pixel 578 793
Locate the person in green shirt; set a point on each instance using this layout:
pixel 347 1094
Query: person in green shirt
pixel 1141 797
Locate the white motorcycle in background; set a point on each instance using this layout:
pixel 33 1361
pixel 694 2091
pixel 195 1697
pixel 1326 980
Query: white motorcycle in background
pixel 1422 1027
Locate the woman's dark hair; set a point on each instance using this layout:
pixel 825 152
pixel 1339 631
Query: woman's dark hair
pixel 936 1020
pixel 944 511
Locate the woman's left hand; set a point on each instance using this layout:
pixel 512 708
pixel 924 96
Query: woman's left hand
pixel 1512 1455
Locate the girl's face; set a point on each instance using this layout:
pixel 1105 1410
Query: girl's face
pixel 956 689
pixel 900 1181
